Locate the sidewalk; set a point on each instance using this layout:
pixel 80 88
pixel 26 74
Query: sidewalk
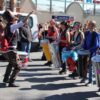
pixel 38 82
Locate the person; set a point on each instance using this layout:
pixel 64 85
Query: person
pixel 64 43
pixel 11 56
pixel 25 38
pixel 90 43
pixel 51 35
pixel 76 43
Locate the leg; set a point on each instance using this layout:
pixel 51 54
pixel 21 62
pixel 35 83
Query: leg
pixel 13 61
pixel 7 73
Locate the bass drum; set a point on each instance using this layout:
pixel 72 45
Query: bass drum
pixel 83 62
pixel 45 47
pixel 96 65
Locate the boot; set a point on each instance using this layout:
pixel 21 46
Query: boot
pixel 63 71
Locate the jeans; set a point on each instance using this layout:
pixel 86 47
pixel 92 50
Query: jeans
pixel 90 73
pixel 26 46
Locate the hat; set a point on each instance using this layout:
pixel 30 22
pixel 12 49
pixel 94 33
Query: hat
pixel 8 15
pixel 63 23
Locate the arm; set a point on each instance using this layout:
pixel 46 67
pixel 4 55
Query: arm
pixel 95 45
pixel 13 27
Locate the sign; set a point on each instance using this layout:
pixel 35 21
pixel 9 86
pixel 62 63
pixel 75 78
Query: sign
pixel 62 18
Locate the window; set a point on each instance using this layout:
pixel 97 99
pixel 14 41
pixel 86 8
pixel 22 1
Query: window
pixel 30 20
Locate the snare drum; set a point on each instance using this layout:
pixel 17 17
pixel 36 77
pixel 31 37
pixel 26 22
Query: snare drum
pixel 45 47
pixel 96 65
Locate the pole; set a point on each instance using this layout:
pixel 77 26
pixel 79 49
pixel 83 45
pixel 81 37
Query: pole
pixel 50 6
pixel 36 4
pixel 65 6
pixel 94 10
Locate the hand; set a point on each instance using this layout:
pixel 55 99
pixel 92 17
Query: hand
pixel 33 11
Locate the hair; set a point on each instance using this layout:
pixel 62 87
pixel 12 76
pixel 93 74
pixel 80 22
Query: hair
pixel 93 22
pixel 2 27
pixel 8 16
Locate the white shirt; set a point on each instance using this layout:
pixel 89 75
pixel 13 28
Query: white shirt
pixel 15 26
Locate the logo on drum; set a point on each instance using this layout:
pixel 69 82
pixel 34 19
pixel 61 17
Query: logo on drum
pixel 98 71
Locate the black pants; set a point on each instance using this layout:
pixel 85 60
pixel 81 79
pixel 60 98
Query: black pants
pixel 13 68
pixel 83 63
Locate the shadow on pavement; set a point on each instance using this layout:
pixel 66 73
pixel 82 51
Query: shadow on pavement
pixel 52 87
pixel 44 80
pixel 2 85
pixel 33 74
pixel 37 69
pixel 74 96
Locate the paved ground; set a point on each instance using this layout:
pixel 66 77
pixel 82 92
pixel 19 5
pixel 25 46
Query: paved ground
pixel 38 82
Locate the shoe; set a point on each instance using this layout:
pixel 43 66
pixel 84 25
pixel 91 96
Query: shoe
pixel 83 80
pixel 12 85
pixel 5 80
pixel 89 84
pixel 30 60
pixel 48 63
pixel 62 72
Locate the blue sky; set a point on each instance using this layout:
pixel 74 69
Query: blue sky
pixel 58 5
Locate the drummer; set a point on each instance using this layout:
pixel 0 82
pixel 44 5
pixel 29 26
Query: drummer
pixel 52 34
pixel 11 36
pixel 91 44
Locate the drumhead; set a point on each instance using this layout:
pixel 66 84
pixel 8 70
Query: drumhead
pixel 83 52
pixel 21 53
pixel 96 58
pixel 44 41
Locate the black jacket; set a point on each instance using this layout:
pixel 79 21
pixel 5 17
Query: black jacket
pixel 25 34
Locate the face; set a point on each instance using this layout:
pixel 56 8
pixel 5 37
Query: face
pixel 91 26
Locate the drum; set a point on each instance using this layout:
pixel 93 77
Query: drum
pixel 54 49
pixel 83 62
pixel 45 47
pixel 83 52
pixel 96 65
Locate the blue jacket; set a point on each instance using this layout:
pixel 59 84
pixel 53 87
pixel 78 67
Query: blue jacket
pixel 88 40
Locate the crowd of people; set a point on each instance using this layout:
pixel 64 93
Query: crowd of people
pixel 77 44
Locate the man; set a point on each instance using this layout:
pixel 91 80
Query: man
pixel 91 43
pixel 25 38
pixel 11 56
